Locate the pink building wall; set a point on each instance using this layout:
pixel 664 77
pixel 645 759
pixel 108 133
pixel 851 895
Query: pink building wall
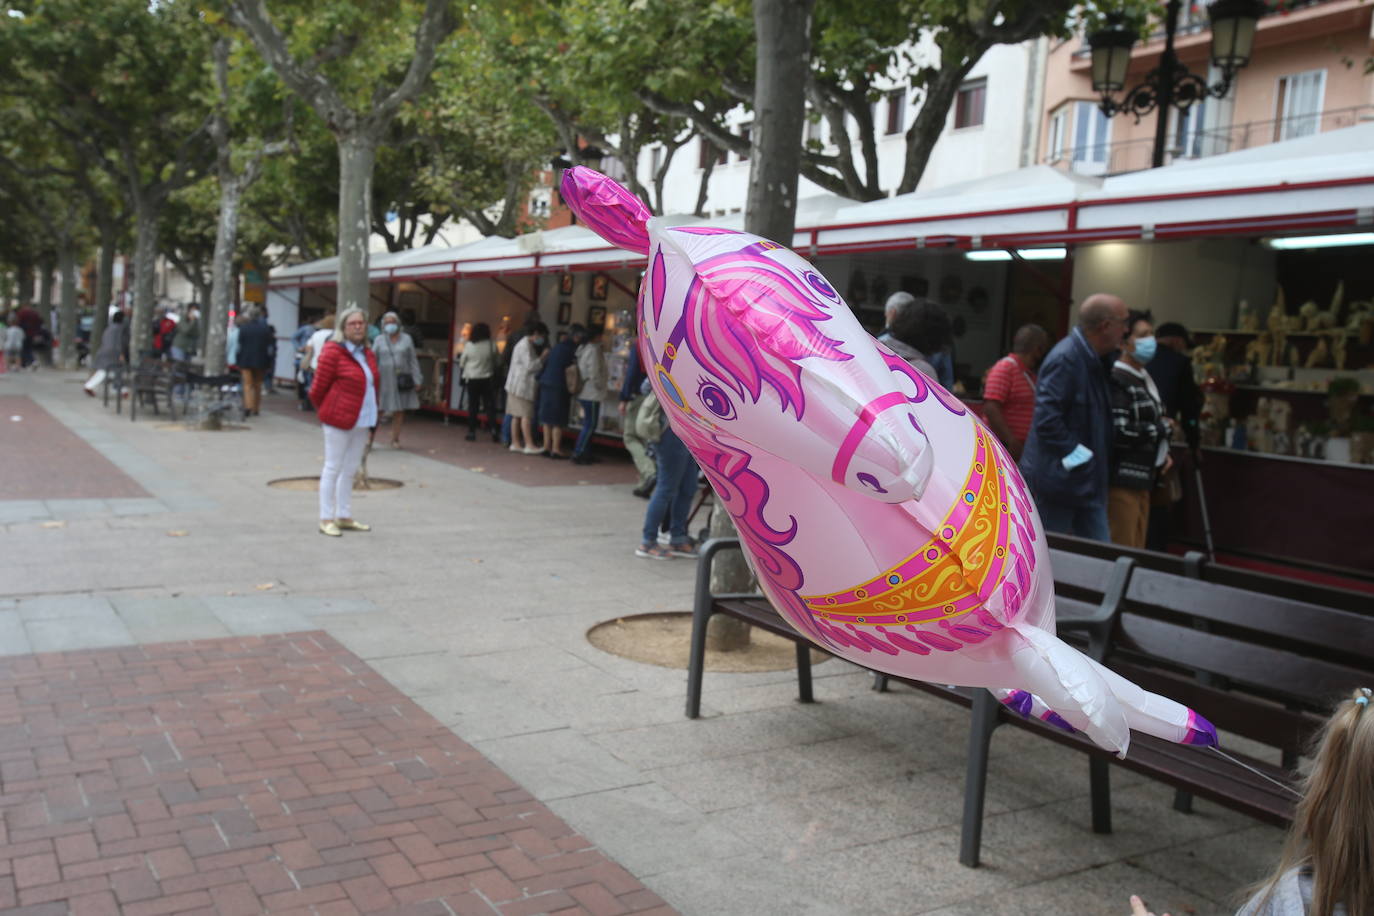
pixel 1333 36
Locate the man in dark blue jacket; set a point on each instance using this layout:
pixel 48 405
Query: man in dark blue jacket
pixel 1068 451
pixel 256 342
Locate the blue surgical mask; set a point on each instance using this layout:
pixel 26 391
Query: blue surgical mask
pixel 391 328
pixel 1144 349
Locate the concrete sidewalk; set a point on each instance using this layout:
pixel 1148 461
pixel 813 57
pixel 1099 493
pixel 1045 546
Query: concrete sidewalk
pixel 473 595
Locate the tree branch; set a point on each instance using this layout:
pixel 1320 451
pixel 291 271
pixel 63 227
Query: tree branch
pixel 434 27
pixel 306 81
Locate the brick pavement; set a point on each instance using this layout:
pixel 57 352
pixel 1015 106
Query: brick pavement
pixel 42 459
pixel 272 774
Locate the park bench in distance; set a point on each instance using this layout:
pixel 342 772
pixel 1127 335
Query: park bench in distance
pixel 1261 666
pixel 153 380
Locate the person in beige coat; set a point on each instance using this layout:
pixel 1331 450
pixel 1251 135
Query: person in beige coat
pixel 527 358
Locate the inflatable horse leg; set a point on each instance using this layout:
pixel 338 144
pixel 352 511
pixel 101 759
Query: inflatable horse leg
pixel 1068 683
pixel 1063 690
pixel 1156 715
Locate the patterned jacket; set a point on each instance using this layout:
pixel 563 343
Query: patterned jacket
pixel 1138 428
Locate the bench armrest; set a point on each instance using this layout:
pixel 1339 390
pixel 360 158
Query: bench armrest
pixel 1099 626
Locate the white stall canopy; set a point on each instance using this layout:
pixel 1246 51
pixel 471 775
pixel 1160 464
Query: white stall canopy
pixel 1319 182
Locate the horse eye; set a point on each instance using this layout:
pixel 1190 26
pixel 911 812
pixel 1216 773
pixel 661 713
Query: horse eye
pixel 714 399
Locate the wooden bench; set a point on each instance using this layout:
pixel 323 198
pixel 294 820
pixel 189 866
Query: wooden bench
pixel 1262 666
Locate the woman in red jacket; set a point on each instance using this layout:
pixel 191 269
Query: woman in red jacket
pixel 345 397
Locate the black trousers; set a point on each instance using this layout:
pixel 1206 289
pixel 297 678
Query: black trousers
pixel 482 399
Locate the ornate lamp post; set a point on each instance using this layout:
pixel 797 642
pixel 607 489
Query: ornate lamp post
pixel 1172 85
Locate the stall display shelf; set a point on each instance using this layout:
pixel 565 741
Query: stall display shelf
pixel 1238 331
pixel 1298 459
pixel 1278 389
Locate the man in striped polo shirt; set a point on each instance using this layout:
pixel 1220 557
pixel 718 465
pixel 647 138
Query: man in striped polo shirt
pixel 1009 392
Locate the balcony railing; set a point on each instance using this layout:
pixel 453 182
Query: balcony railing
pixel 1134 155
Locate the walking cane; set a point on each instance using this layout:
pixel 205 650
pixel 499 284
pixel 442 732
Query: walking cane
pixel 1202 504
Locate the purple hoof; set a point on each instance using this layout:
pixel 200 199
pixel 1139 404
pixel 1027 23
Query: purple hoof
pixel 1021 701
pixel 1201 733
pixel 1057 721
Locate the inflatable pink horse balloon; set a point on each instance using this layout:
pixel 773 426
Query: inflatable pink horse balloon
pixel 884 522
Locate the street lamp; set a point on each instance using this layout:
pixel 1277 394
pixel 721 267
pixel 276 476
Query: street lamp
pixel 1172 85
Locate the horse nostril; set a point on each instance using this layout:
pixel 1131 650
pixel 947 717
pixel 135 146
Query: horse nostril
pixel 871 482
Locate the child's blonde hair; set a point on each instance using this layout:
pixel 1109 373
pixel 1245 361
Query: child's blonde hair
pixel 1333 827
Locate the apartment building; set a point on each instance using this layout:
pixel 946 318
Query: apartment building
pixel 1307 75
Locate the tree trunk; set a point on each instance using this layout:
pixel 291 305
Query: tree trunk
pixel 357 154
pixel 25 278
pixel 146 214
pixel 729 573
pixel 784 47
pixel 222 275
pixel 45 272
pixel 925 131
pixel 104 282
pixel 66 309
pixel 784 51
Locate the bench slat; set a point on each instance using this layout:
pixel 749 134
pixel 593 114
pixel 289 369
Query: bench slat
pixel 1308 624
pixel 1274 671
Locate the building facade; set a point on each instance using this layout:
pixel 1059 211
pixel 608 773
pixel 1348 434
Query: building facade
pixel 1307 75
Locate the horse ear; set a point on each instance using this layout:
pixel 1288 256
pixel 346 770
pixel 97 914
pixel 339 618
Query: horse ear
pixel 607 208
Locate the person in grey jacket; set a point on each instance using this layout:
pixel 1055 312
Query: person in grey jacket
pixel 110 354
pixel 1066 457
pixel 591 364
pixel 396 357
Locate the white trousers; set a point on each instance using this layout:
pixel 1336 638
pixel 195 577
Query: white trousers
pixel 343 452
pixel 95 380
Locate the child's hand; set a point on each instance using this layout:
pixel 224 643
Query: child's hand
pixel 1138 907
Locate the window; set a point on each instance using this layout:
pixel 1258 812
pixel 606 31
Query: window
pixel 814 131
pixel 1092 132
pixel 539 202
pixel 896 111
pixel 1054 137
pixel 1299 104
pixel 706 151
pixel 968 106
pixel 655 159
pixel 746 131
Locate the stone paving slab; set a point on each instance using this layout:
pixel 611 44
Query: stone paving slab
pixel 43 459
pixel 274 774
pixel 473 596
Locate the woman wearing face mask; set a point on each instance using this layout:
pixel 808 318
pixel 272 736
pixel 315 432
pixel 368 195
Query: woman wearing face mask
pixel 398 371
pixel 526 359
pixel 1140 435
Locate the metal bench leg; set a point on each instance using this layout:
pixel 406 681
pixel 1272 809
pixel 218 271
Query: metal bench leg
pixel 804 673
pixel 696 662
pixel 981 725
pixel 1100 788
pixel 880 682
pixel 1183 801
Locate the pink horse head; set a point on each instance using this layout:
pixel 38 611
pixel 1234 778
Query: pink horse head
pixel 884 522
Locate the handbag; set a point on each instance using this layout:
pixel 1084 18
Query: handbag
pixel 573 378
pixel 405 381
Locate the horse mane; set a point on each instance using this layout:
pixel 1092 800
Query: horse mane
pixel 749 320
pixel 744 494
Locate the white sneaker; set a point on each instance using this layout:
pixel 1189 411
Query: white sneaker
pixel 533 451
pixel 515 448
